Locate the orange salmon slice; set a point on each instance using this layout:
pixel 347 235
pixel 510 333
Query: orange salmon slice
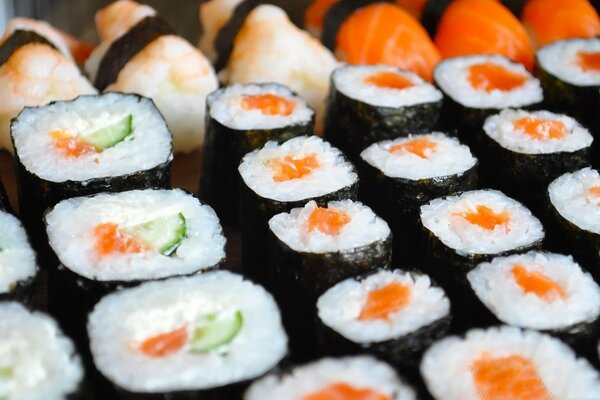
pixel 269 104
pixel 389 80
pixel 486 218
pixel 489 77
pixel 343 391
pixel 315 13
pixel 382 303
pixel 419 147
pixel 541 129
pixel 165 344
pixel 538 283
pixel 589 61
pixel 70 146
pixel 110 240
pixel 293 167
pixel 327 220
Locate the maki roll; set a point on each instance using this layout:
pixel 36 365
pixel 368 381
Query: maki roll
pixel 393 314
pixel 399 176
pixel 280 177
pixel 240 119
pixel 481 85
pixel 574 201
pixel 92 144
pixel 507 363
pixel 18 266
pixel 361 377
pixel 197 337
pixel 368 104
pixel 37 362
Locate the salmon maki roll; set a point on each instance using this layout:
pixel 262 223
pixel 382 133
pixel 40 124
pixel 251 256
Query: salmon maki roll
pixel 483 26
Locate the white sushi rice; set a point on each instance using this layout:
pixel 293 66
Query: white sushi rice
pixel 147 147
pixel 496 287
pixel 444 217
pixel 500 128
pixel 333 174
pixel 569 195
pixel 452 76
pixel 226 107
pixel 360 372
pixel 124 319
pixel 42 361
pixel 560 60
pixel 449 158
pixel 364 228
pixel 17 259
pixel 350 80
pixel 71 223
pixel 340 307
pixel 447 365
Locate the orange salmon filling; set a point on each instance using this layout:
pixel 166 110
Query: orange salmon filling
pixel 269 104
pixel 418 147
pixel 589 61
pixel 594 191
pixel 538 284
pixel 293 167
pixel 489 76
pixel 165 344
pixel 71 146
pixel 109 240
pixel 541 129
pixel 486 218
pixel 327 220
pixel 510 377
pixel 389 80
pixel 382 303
pixel 343 391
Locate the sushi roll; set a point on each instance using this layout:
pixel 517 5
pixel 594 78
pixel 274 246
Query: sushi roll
pixel 368 104
pixel 92 144
pixel 525 151
pixel 393 314
pixel 574 220
pixel 399 176
pixel 279 177
pixel 481 85
pixel 240 119
pixel 38 362
pixel 18 265
pixel 201 337
pixel 507 363
pixel 361 377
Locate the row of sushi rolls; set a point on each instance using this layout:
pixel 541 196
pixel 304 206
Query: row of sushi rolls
pixel 412 183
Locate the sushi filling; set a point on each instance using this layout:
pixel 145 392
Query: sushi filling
pixel 420 157
pixel 575 61
pixel 37 361
pixel 481 222
pixel 258 106
pixel 384 306
pixel 507 363
pixel 487 81
pixel 537 290
pixel 208 331
pixel 538 132
pixel 17 259
pixel 341 226
pixel 142 234
pixel 361 377
pixel 383 86
pixel 301 168
pixel 576 197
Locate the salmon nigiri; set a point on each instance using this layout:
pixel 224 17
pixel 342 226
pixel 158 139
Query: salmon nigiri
pixel 314 16
pixel 551 20
pixel 483 26
pixel 384 33
pixel 414 7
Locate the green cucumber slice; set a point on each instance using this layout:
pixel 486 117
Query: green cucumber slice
pixel 212 332
pixel 6 372
pixel 164 234
pixel 111 134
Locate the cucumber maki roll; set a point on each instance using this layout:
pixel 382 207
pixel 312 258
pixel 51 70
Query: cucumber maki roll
pixel 18 266
pixel 202 337
pixel 111 142
pixel 368 104
pixel 507 363
pixel 399 176
pixel 574 201
pixel 393 314
pixel 240 119
pixel 37 362
pixel 280 177
pixel 362 377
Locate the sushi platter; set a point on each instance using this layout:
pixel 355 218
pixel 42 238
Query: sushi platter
pixel 325 200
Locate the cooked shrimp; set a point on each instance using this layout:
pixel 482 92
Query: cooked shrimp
pixel 117 18
pixel 214 14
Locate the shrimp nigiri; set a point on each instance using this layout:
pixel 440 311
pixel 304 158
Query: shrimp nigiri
pixel 214 15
